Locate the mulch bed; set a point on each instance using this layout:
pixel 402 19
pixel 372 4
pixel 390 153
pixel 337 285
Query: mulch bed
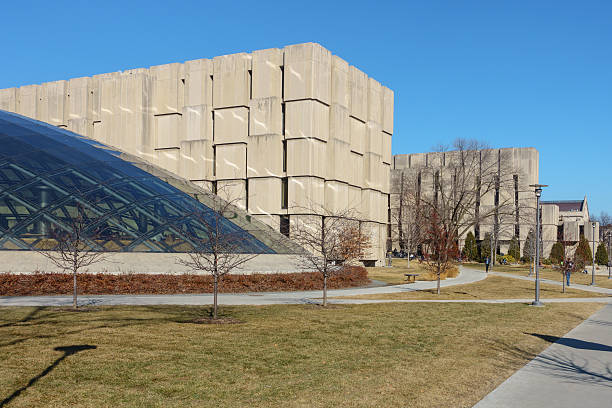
pixel 134 284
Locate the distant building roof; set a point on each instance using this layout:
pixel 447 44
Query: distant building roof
pixel 567 205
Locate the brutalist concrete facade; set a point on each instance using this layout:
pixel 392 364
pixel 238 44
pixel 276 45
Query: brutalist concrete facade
pixel 522 164
pixel 282 129
pixel 566 221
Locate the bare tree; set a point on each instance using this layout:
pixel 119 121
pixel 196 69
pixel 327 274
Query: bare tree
pixel 409 228
pixel 441 242
pixel 330 239
pixel 72 245
pixel 217 247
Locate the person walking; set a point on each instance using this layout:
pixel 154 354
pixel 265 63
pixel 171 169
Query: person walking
pixel 487 261
pixel 568 271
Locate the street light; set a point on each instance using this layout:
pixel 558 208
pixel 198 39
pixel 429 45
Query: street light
pixel 609 254
pixel 538 193
pixel 593 274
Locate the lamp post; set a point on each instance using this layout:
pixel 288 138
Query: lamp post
pixel 593 273
pixel 538 193
pixel 609 254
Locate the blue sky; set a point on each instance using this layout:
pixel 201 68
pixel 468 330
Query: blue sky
pixel 511 73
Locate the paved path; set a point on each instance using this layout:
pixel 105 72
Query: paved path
pixel 575 371
pixel 587 288
pixel 255 298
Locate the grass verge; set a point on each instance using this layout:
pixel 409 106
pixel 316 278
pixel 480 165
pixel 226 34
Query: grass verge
pixel 418 355
pixel 550 273
pixel 395 274
pixel 493 287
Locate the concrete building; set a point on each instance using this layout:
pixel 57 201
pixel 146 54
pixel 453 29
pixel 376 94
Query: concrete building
pixel 284 130
pixel 567 221
pixel 514 168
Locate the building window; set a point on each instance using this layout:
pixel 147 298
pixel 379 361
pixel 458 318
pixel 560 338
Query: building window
pixel 284 193
pixel 284 225
pixel 284 155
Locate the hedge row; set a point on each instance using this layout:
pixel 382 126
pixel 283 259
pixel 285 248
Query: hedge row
pixel 133 284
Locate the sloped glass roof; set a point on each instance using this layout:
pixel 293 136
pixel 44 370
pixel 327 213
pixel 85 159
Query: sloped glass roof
pixel 49 176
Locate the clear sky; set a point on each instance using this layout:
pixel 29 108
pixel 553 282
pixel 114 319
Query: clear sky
pixel 512 73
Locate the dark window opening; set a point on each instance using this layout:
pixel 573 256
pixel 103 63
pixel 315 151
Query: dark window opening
pixel 284 193
pixel 284 225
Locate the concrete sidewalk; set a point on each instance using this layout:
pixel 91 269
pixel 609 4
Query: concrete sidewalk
pixel 256 298
pixel 587 288
pixel 575 371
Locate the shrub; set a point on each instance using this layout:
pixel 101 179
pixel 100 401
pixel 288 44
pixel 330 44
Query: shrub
pixel 601 256
pixel 557 253
pixel 133 284
pixel 514 250
pixel 506 259
pixel 546 261
pixel 583 256
pixel 470 249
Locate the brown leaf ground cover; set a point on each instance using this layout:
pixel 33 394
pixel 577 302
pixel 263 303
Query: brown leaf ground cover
pixel 383 355
pixel 107 284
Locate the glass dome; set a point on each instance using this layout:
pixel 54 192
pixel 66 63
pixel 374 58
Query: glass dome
pixel 49 176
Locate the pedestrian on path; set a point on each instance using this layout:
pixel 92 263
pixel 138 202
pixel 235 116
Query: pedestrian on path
pixel 568 271
pixel 487 261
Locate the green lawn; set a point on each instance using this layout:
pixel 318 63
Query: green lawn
pixel 384 355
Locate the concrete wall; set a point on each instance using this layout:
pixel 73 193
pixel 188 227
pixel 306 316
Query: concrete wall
pixel 298 117
pixel 144 262
pixel 520 164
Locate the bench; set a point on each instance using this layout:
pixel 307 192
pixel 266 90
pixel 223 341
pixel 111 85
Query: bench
pixel 411 277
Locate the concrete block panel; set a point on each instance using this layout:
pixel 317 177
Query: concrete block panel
pixel 356 170
pixel 168 88
pixel 298 222
pixel 571 231
pixel 369 204
pixel 338 160
pixel 358 135
pixel 265 156
pixel 168 159
pixel 306 157
pixel 354 199
pixel 230 161
pixel 267 75
pixel 550 214
pixel 305 194
pixel 206 185
pixel 418 160
pixel 307 73
pixel 79 98
pixel 197 122
pixel 339 124
pixel 196 159
pixel 231 80
pixel 81 126
pixel 387 157
pixel 340 93
pixel 52 103
pixel 198 82
pixel 372 171
pixel 435 160
pixel 372 231
pixel 265 116
pixel 134 134
pixel 401 161
pixel 374 139
pixel 386 178
pixel 231 125
pixel 375 99
pixel 167 131
pixel 265 195
pixel 358 83
pixel 336 196
pixel 306 119
pixel 8 99
pixel 233 191
pixel 387 119
pixel 273 221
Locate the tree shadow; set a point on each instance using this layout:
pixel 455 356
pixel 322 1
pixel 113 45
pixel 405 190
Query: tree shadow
pixel 67 350
pixel 25 319
pixel 573 343
pixel 572 368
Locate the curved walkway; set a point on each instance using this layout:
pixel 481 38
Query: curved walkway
pixel 586 288
pixel 256 298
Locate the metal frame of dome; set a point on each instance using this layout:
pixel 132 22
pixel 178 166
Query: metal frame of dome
pixel 49 176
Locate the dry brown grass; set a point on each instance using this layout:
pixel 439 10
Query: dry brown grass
pixel 493 287
pixel 385 355
pixel 395 274
pixel 551 273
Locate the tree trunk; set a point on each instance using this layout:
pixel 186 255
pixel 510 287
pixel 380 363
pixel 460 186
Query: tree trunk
pixel 409 245
pixel 74 288
pixel 324 289
pixel 215 290
pixel 563 278
pixel 438 284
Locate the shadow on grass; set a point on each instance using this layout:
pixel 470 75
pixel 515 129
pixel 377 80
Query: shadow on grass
pixel 67 350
